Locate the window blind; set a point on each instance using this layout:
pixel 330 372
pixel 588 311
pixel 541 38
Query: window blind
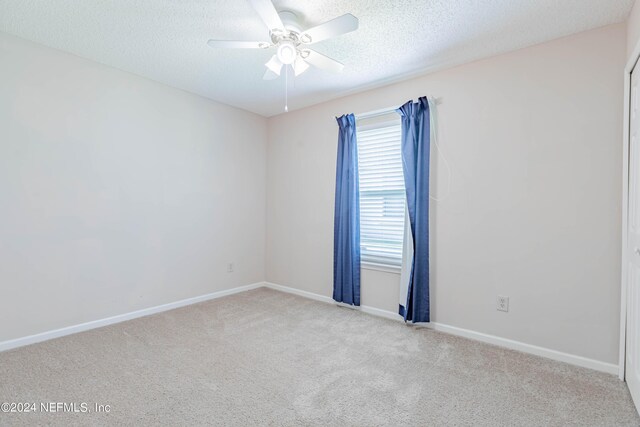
pixel 382 195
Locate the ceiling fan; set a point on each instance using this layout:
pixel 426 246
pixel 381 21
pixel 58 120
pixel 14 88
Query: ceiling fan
pixel 291 41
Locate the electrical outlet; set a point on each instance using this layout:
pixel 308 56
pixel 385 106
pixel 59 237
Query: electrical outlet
pixel 230 267
pixel 503 303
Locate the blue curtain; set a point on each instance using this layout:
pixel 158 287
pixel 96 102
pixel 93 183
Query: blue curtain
pixel 416 131
pixel 346 226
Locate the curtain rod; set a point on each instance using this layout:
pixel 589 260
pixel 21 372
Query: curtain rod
pixel 388 110
pixel 376 113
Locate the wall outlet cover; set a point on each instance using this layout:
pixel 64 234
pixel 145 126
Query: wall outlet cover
pixel 503 303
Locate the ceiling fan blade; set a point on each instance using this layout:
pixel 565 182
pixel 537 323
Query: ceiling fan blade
pixel 274 65
pixel 338 26
pixel 300 66
pixel 268 14
pixel 237 44
pixel 324 62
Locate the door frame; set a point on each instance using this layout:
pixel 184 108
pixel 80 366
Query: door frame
pixel 624 283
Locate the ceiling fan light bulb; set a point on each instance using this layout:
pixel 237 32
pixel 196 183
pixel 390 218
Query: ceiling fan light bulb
pixel 287 53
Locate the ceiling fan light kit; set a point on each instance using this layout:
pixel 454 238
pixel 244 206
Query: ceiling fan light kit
pixel 286 52
pixel 291 41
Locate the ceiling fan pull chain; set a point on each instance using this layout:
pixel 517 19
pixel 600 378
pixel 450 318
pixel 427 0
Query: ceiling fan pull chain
pixel 286 89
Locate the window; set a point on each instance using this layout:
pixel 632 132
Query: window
pixel 382 195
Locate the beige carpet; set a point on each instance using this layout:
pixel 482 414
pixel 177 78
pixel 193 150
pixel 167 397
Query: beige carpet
pixel 268 358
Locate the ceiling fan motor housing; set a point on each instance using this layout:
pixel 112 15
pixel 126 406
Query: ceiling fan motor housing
pixel 290 21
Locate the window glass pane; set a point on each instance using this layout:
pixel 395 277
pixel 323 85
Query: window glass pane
pixel 382 197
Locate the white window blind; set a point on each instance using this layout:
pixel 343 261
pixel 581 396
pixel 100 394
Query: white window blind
pixel 382 195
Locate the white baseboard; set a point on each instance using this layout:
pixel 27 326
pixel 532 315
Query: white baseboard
pixel 56 333
pixel 572 359
pixel 466 333
pixel 301 293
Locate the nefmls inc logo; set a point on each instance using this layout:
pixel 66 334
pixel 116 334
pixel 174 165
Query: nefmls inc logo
pixel 79 407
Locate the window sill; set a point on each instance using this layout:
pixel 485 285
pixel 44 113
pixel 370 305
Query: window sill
pixel 380 267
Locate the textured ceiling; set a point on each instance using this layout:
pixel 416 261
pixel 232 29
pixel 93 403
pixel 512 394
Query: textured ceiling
pixel 165 40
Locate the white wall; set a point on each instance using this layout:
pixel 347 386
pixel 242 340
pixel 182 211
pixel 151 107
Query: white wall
pixel 118 193
pixel 534 140
pixel 633 28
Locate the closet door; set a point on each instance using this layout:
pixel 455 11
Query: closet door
pixel 632 372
